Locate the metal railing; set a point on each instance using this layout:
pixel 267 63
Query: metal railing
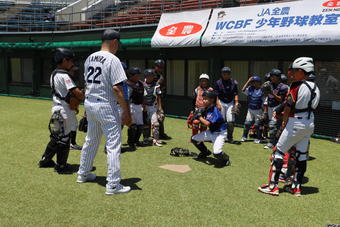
pixel 63 15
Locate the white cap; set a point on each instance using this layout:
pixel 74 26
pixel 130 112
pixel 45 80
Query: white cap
pixel 204 76
pixel 305 63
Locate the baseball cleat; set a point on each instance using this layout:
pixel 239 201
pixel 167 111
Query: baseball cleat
pixel 63 169
pixel 294 191
pixel 86 178
pixel 243 139
pixel 157 143
pixel 268 146
pixel 118 189
pixel 46 164
pixel 268 190
pixel 204 155
pixel 75 147
pixel 165 137
pixel 233 142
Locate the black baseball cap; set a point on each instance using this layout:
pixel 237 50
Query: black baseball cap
pixel 134 71
pixel 226 69
pixel 110 34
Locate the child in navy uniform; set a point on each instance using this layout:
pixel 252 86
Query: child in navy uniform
pixel 217 132
pixel 255 102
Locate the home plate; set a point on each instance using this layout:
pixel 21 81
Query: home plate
pixel 177 168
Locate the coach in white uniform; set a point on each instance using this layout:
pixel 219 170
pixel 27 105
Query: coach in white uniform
pixel 104 76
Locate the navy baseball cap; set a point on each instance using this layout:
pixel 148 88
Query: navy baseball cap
pixel 149 72
pixel 159 63
pixel 226 69
pixel 110 34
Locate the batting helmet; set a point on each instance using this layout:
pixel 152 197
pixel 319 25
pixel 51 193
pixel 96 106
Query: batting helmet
pixel 276 72
pixel 204 76
pixel 159 63
pixel 304 63
pixel 210 94
pixel 284 78
pixel 226 69
pixel 256 79
pixel 134 71
pixel 63 53
pixel 149 72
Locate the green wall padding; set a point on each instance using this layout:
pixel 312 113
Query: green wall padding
pixel 136 42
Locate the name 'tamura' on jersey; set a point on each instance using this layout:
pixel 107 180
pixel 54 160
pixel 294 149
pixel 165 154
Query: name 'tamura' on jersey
pixel 102 70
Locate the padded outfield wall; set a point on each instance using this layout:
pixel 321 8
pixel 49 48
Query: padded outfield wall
pixel 25 71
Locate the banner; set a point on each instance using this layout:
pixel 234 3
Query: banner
pixel 183 29
pixel 309 22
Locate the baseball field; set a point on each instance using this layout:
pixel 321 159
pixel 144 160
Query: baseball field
pixel 205 196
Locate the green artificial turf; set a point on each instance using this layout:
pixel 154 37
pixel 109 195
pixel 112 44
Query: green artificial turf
pixel 206 196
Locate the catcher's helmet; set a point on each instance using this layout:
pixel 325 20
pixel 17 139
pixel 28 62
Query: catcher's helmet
pixel 159 63
pixel 149 72
pixel 284 78
pixel 124 65
pixel 304 63
pixel 204 76
pixel 210 94
pixel 134 71
pixel 276 72
pixel 226 69
pixel 256 79
pixel 63 53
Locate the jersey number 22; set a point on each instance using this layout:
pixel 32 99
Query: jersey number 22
pixel 97 71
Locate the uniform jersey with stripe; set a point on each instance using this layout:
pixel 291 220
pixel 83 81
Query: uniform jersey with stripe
pixel 62 85
pixel 102 70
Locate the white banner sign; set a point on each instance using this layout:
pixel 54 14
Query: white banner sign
pixel 183 29
pixel 310 22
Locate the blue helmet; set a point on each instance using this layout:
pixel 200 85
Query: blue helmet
pixel 256 79
pixel 275 72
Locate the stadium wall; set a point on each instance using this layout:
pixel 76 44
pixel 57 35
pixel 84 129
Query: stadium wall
pixel 183 68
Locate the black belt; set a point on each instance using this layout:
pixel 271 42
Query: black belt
pixel 94 99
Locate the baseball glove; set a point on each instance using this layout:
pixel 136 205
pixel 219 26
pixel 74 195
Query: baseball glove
pixel 178 151
pixel 267 88
pixel 83 124
pixel 236 109
pixel 74 103
pixel 199 112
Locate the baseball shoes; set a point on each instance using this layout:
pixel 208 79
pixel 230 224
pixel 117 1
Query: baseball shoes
pixel 157 143
pixel 294 191
pixel 268 190
pixel 268 146
pixel 243 139
pixel 63 169
pixel 165 137
pixel 234 142
pixel 118 189
pixel 86 178
pixel 75 147
pixel 48 164
pixel 204 155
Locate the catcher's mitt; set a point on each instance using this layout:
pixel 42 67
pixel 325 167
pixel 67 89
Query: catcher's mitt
pixel 236 109
pixel 267 88
pixel 199 112
pixel 178 151
pixel 83 124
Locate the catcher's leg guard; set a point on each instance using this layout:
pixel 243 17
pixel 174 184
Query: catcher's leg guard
pixel 51 150
pixel 230 131
pixel 272 132
pixel 258 132
pixel 195 127
pixel 161 128
pixel 301 167
pixel 62 154
pixel 204 152
pixel 155 131
pixel 247 125
pixel 275 168
pixel 223 159
pixel 73 137
pixel 132 134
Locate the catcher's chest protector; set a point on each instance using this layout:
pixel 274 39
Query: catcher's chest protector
pixel 199 96
pixel 150 93
pixel 137 93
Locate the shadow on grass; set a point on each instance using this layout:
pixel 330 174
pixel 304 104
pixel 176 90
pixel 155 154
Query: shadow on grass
pixel 311 158
pixel 75 168
pixel 210 161
pixel 306 190
pixel 132 182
